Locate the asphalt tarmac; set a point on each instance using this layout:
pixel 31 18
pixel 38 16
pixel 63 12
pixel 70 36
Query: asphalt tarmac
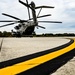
pixel 12 48
pixel 18 47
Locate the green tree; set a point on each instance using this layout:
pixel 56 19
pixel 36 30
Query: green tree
pixel 0 34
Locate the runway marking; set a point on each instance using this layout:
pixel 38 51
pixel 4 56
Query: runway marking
pixel 26 65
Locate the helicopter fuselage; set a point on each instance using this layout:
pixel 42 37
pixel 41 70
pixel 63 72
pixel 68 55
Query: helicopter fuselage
pixel 27 28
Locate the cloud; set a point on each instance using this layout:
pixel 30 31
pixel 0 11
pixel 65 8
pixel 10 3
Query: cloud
pixel 64 11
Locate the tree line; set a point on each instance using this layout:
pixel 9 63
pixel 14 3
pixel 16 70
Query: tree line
pixel 5 34
pixel 9 34
pixel 56 35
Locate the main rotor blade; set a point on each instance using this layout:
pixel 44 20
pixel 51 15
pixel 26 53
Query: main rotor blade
pixel 41 27
pixel 16 21
pixel 7 25
pixel 11 16
pixel 50 21
pixel 44 7
pixel 44 16
pixel 28 9
pixel 26 5
pixel 41 16
pixel 8 21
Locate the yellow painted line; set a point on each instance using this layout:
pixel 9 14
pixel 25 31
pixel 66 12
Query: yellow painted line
pixel 23 66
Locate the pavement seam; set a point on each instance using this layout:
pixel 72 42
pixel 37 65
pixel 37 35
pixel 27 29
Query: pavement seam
pixel 1 44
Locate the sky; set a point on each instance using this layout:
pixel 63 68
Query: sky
pixel 64 11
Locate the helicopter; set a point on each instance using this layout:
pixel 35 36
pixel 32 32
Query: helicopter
pixel 27 27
